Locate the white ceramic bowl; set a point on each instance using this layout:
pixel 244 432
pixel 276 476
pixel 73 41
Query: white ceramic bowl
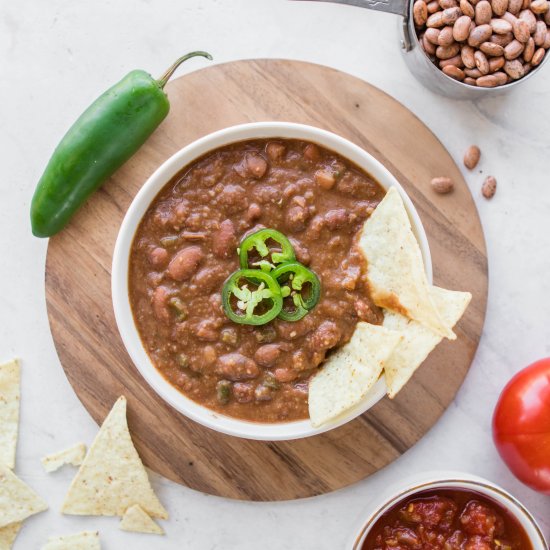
pixel 448 480
pixel 119 281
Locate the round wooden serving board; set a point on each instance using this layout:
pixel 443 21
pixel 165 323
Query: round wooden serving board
pixel 78 291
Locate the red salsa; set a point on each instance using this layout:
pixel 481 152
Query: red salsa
pixel 447 520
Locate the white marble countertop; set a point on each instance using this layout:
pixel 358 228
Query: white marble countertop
pixel 56 56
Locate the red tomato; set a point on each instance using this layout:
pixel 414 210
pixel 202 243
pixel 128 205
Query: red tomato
pixel 521 425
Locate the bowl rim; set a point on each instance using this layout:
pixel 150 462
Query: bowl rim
pixel 450 479
pixel 119 273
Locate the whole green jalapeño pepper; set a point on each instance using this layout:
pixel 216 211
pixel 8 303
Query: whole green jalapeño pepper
pixel 259 241
pixel 105 136
pixel 292 278
pixel 267 294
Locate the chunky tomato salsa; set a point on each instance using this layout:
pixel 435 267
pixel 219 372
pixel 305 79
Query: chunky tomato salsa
pixel 186 248
pixel 447 520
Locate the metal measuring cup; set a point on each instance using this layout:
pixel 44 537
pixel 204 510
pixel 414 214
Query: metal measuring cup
pixel 420 65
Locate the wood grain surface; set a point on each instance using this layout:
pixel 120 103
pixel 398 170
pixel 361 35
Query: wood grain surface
pixel 79 299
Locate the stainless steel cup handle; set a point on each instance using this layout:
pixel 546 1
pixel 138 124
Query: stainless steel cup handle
pixel 399 7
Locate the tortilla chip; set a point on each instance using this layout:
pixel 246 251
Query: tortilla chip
pixel 72 455
pixel 136 519
pixel 9 411
pixel 112 477
pixel 8 535
pixel 395 269
pixel 350 372
pixel 86 540
pixel 418 340
pixel 17 500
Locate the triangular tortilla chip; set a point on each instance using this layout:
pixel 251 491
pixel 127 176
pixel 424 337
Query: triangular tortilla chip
pixel 418 340
pixel 136 519
pixel 86 540
pixel 350 372
pixel 72 455
pixel 112 477
pixel 8 535
pixel 9 411
pixel 17 500
pixel 395 269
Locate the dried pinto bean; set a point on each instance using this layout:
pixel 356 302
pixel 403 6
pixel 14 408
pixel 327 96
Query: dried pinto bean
pixel 499 6
pixel 501 77
pixel 456 61
pixel 472 156
pixel 514 69
pixel 538 57
pixel 461 29
pixel 513 50
pixel 450 15
pixel 483 12
pixel 540 33
pixel 492 49
pixel 529 50
pixel 521 30
pixel 539 6
pixel 445 37
pixel 488 81
pixel 489 187
pixel 529 18
pixel 454 72
pixel 496 63
pixel 432 35
pixel 442 185
pixel 429 48
pixel 467 55
pixel 514 6
pixel 420 12
pixel 467 8
pixel 446 52
pixel 479 34
pixel 481 62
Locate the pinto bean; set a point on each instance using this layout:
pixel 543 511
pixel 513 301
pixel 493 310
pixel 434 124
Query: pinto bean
pixel 159 302
pixel 158 256
pixel 302 254
pixel 267 355
pixel 185 263
pixel 235 366
pixel 256 165
pixel 233 197
pixel 263 393
pixel 243 393
pixel 326 336
pixel 275 150
pixel 325 179
pixel 254 212
pixel 285 374
pixel 224 240
pixel 311 152
pixel 207 330
pixel 297 217
pixel 208 278
pixel 336 218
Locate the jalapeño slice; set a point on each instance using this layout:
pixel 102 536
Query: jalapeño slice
pixel 259 241
pixel 292 276
pixel 251 297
